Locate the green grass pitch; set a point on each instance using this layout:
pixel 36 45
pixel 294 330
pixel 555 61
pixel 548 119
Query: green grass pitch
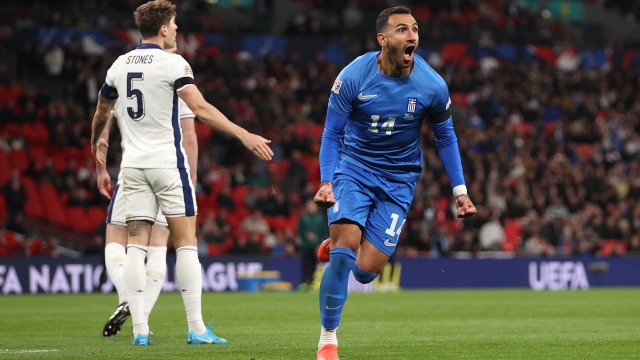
pixel 436 324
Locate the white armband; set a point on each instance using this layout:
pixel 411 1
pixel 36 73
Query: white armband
pixel 459 190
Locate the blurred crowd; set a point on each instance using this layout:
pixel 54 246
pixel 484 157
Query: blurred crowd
pixel 483 22
pixel 550 157
pixel 500 21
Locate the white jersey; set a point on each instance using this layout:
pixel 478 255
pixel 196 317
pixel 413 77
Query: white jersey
pixel 183 113
pixel 146 81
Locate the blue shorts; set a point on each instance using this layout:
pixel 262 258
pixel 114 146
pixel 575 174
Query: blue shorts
pixel 379 205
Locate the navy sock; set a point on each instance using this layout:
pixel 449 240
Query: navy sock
pixel 333 288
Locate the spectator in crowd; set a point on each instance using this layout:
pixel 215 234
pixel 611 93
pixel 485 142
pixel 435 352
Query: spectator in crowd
pixel 15 197
pixel 54 60
pixel 277 204
pixel 242 245
pixel 95 247
pixel 535 140
pixel 255 223
pixel 222 220
pixel 224 199
pixel 211 231
pixel 312 231
pixel 297 171
pixel 491 234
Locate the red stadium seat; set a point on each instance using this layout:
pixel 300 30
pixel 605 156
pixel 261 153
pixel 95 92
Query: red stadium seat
pixel 5 174
pixel 609 245
pixel 18 159
pixel 236 216
pixel 513 234
pixel 96 215
pixel 59 161
pixel 76 154
pixel 3 209
pixel 280 223
pixel 523 128
pixel 54 210
pixel 5 95
pixel 38 154
pixel 238 195
pixel 203 132
pixel 78 219
pixel 36 247
pixel 312 165
pixel 13 129
pixel 15 92
pixel 278 170
pixel 33 206
pixel 35 134
pixel 585 150
pixel 219 183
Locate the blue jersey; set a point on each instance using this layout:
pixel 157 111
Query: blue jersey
pixel 385 115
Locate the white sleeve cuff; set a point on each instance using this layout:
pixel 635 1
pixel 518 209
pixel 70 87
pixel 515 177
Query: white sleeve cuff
pixel 459 190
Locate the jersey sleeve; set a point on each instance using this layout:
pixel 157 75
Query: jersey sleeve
pixel 343 93
pixel 108 89
pixel 184 110
pixel 439 110
pixel 445 135
pixel 180 73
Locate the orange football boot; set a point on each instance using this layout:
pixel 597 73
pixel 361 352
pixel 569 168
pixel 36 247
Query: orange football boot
pixel 323 250
pixel 328 352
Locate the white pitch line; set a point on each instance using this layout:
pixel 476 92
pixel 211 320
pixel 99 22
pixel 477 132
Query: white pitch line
pixel 7 351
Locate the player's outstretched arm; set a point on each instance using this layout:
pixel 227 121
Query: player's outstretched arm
pixel 333 131
pixel 211 116
pixel 100 120
pixel 103 177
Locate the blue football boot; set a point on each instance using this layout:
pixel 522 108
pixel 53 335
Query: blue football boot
pixel 142 340
pixel 207 338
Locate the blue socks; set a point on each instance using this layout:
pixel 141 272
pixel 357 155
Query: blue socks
pixel 333 288
pixel 362 276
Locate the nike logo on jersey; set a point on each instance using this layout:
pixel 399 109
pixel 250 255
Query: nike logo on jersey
pixel 365 97
pixel 335 308
pixel 388 243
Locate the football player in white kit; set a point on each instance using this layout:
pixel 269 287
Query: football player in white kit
pixel 154 167
pixel 116 236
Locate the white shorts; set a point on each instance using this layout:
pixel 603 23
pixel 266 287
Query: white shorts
pixel 148 190
pixel 116 213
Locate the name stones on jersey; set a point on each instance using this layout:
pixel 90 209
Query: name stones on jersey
pixel 140 59
pixel 336 86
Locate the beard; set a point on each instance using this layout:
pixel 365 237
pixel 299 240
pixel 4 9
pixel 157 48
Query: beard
pixel 397 56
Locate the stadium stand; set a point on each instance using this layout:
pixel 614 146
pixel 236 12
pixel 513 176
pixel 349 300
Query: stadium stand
pixel 548 135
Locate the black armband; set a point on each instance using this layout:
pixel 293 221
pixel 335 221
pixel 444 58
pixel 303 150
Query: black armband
pixel 440 117
pixel 182 82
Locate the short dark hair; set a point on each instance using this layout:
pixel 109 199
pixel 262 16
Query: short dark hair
pixel 151 16
pixel 383 18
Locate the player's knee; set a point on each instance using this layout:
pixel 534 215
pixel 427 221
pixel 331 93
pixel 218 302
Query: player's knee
pixel 362 276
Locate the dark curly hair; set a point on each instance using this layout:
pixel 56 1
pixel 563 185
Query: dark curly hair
pixel 151 16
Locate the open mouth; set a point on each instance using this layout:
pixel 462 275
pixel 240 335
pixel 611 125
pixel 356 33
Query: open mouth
pixel 408 52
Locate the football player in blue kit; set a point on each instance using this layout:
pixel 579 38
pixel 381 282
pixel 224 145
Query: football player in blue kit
pixel 370 159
